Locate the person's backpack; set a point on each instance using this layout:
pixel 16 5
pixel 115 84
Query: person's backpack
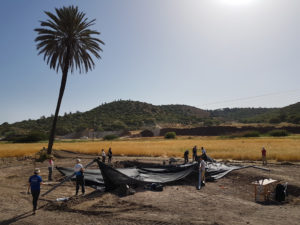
pixel 279 193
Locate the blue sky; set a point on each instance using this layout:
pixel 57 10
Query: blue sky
pixel 205 53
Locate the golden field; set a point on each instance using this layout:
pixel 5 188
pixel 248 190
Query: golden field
pixel 280 149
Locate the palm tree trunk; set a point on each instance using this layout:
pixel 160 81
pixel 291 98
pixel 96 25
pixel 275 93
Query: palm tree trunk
pixel 61 93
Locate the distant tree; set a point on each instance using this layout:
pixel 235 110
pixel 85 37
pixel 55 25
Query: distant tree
pixel 99 128
pixel 110 137
pixel 66 42
pixel 278 133
pixel 170 135
pixel 118 125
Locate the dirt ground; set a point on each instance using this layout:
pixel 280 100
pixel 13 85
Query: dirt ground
pixel 229 200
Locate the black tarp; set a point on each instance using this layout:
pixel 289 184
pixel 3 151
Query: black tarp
pixel 115 177
pixel 110 177
pixel 91 176
pixel 134 176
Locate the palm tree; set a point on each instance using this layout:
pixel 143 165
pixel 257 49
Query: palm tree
pixel 66 41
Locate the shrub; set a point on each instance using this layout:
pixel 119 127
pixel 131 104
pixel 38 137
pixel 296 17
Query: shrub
pixel 62 130
pixel 275 120
pixel 251 134
pixel 42 155
pixel 170 135
pixel 118 125
pixel 110 137
pixel 81 127
pixel 278 133
pixel 296 120
pixel 208 123
pixel 99 128
pixel 33 136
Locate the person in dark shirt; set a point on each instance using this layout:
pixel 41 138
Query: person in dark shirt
pixel 109 155
pixel 264 156
pixel 186 156
pixel 194 153
pixel 35 182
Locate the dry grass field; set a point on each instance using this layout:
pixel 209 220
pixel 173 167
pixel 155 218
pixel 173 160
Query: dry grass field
pixel 278 149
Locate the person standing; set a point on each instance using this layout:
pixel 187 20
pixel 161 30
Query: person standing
pixel 109 155
pixel 201 178
pixel 203 153
pixel 186 156
pixel 35 182
pixel 194 153
pixel 103 156
pixel 264 156
pixel 78 169
pixel 50 167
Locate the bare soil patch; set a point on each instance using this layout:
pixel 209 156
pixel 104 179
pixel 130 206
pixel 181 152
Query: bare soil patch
pixel 229 200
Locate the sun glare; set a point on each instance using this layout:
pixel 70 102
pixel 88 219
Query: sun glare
pixel 237 2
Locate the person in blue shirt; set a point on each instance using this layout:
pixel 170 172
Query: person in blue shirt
pixel 204 156
pixel 35 182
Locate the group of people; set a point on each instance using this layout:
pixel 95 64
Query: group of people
pixel 194 150
pixel 36 180
pixel 109 154
pixel 201 163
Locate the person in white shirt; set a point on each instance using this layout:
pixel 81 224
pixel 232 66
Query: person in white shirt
pixel 103 156
pixel 50 167
pixel 78 169
pixel 201 181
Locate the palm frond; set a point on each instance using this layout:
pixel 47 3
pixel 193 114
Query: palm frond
pixel 68 32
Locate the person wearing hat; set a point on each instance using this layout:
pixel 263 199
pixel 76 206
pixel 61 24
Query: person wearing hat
pixel 78 169
pixel 35 182
pixel 50 167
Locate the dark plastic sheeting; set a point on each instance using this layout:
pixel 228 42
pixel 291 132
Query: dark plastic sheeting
pixel 111 177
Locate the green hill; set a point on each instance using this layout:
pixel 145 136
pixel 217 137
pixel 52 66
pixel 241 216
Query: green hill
pixel 244 115
pixel 117 115
pixel 133 115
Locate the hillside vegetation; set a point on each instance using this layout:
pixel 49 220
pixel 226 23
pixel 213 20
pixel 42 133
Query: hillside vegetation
pixel 117 115
pixel 289 114
pixel 134 115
